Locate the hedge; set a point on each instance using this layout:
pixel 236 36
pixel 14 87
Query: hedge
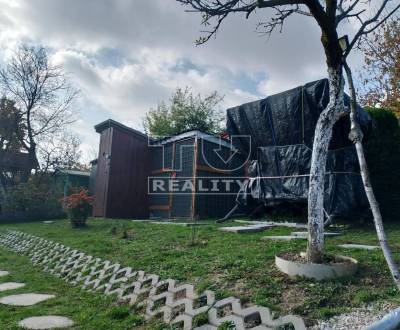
pixel 383 158
pixel 37 199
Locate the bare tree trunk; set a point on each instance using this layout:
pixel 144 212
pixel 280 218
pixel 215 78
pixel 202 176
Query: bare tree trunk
pixel 3 195
pixel 322 137
pixel 31 149
pixel 356 137
pixel 2 189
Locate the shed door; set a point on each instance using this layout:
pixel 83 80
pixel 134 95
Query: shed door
pixel 103 170
pixel 181 203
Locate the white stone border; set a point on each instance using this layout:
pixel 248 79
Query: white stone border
pixel 176 303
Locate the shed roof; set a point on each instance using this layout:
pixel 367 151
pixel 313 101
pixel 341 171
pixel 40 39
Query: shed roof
pixel 112 123
pixel 72 172
pixel 194 133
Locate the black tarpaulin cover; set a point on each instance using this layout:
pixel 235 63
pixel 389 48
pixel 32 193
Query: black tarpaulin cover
pixel 281 128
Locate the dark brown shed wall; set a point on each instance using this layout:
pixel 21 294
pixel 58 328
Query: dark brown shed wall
pixel 127 195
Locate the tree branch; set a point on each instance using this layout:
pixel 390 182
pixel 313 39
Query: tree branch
pixel 364 29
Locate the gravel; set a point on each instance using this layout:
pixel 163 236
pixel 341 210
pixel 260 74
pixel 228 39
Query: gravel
pixel 357 319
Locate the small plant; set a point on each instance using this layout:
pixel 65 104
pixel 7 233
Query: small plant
pixel 78 207
pixel 121 230
pixel 193 232
pixel 113 230
pixel 228 325
pixel 119 313
pixel 200 319
pixel 193 240
pixel 125 232
pixel 137 320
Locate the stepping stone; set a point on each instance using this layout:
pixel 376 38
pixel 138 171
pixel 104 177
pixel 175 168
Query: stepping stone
pixel 3 273
pixel 302 234
pixel 191 224
pixel 278 224
pixel 281 238
pixel 48 222
pixel 184 224
pixel 207 327
pixel 246 229
pixel 10 286
pixel 290 225
pixel 46 322
pixel 163 223
pixel 331 233
pixel 359 246
pixel 25 299
pixel 305 234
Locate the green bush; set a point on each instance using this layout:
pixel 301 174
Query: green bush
pixel 383 158
pixel 37 199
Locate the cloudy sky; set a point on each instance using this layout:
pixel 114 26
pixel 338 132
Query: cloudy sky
pixel 128 55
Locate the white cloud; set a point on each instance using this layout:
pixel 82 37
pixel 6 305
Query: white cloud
pixel 126 56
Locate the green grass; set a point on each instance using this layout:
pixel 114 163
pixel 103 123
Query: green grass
pixel 230 264
pixel 88 310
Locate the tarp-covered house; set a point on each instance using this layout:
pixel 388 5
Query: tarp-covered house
pixel 281 128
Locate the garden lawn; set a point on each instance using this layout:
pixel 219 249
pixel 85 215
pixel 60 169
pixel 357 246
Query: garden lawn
pixel 229 264
pixel 88 310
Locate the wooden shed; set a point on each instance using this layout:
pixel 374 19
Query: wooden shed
pixel 122 171
pixel 197 160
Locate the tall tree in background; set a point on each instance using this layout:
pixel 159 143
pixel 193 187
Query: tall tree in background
pixel 185 112
pixel 42 91
pixel 12 128
pixel 381 72
pixel 61 150
pixel 330 15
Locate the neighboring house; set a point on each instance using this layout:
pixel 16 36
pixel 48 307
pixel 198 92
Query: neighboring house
pixel 71 179
pixel 12 167
pixel 93 174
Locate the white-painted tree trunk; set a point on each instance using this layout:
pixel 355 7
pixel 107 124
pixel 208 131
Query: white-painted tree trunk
pixel 322 137
pixel 356 137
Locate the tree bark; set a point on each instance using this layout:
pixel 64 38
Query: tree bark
pixel 356 137
pixel 3 195
pixel 33 162
pixel 322 137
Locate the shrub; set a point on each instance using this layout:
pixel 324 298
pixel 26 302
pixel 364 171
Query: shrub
pixel 36 199
pixel 78 206
pixel 383 158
